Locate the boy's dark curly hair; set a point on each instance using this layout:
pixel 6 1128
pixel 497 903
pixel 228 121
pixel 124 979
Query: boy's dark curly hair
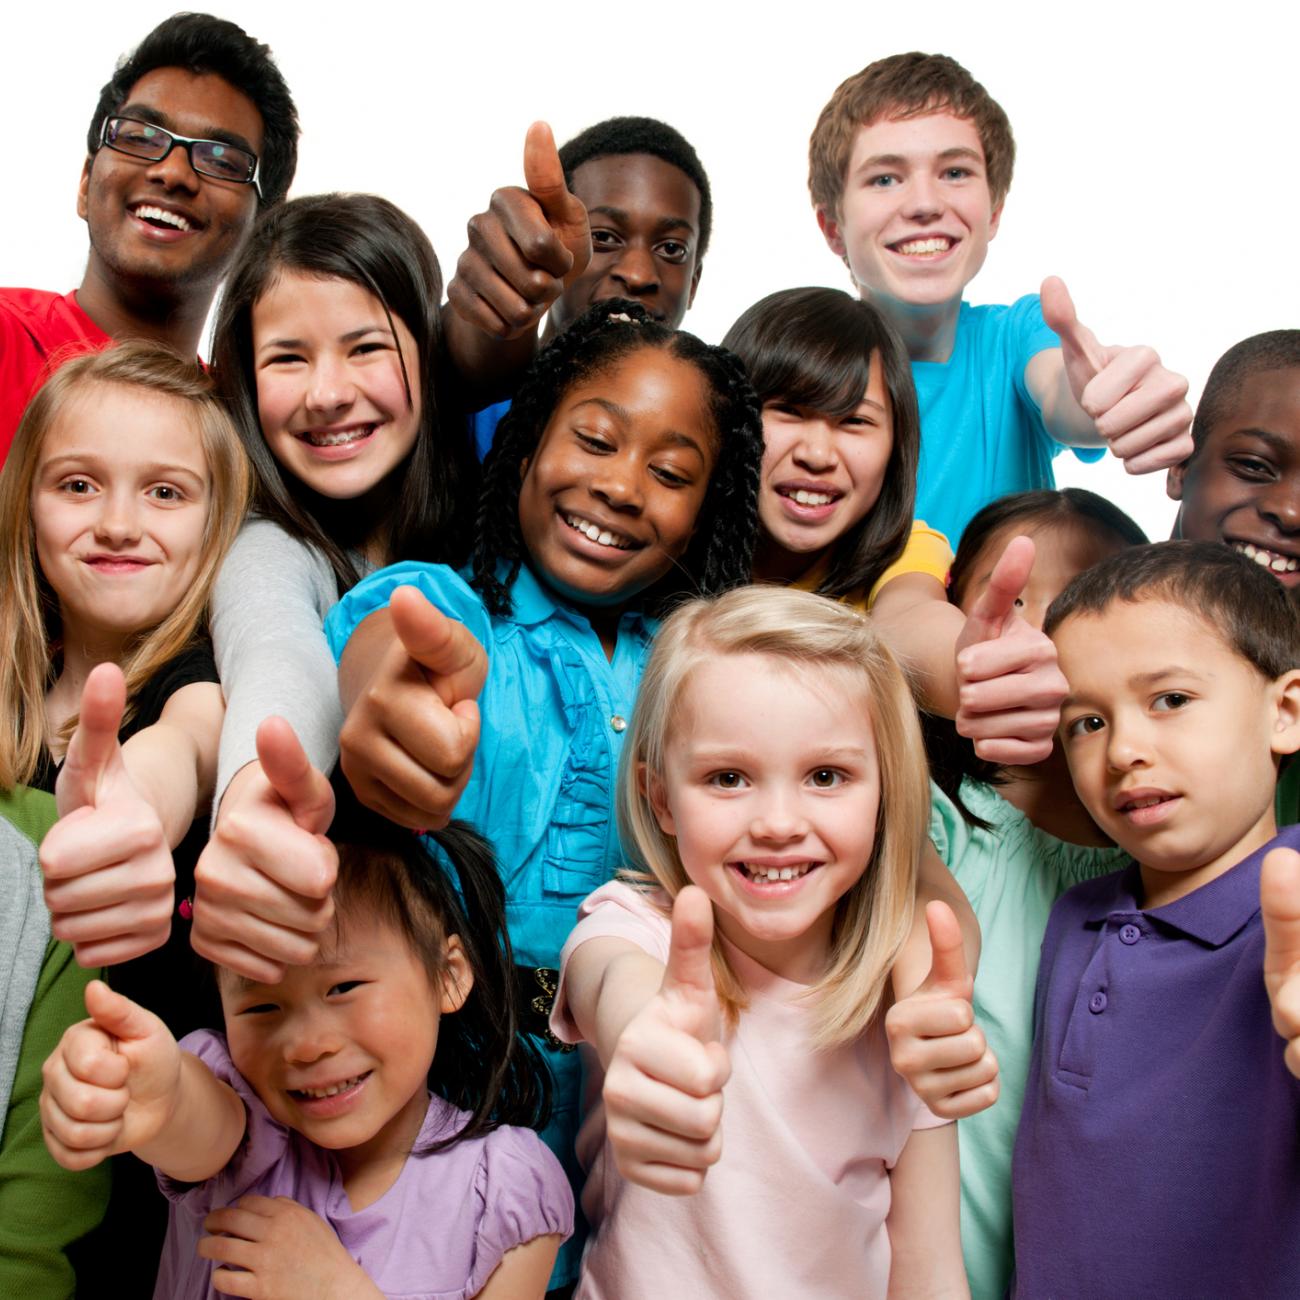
pixel 720 555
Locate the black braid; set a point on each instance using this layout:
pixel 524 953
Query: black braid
pixel 721 552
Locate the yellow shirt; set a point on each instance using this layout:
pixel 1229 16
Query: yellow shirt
pixel 926 551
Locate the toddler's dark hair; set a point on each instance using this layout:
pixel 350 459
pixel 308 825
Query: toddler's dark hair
pixel 720 554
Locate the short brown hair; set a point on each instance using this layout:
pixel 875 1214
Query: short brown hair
pixel 901 86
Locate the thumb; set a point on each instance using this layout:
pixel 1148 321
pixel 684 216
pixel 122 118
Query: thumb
pixel 689 969
pixel 1083 354
pixel 94 746
pixel 116 1015
pixel 991 613
pixel 305 790
pixel 564 212
pixel 446 649
pixel 1279 904
pixel 948 969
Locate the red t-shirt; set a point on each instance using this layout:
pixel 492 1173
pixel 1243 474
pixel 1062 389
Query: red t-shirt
pixel 38 332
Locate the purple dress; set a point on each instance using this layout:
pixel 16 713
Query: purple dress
pixel 436 1234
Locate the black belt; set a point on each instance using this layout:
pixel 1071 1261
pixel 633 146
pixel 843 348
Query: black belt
pixel 535 988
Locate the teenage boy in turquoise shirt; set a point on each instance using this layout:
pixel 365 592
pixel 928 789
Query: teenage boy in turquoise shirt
pixel 909 167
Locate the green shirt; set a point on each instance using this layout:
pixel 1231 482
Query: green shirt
pixel 1012 874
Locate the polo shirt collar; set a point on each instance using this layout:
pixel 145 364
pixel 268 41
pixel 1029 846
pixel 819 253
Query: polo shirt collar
pixel 534 603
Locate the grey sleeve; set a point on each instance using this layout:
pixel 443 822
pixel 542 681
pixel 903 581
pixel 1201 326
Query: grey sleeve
pixel 24 932
pixel 268 608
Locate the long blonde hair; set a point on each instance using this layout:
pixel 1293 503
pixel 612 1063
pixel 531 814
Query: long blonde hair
pixel 809 633
pixel 29 609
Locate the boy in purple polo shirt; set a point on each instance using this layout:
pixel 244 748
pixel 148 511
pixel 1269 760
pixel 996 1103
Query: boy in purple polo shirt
pixel 1159 1144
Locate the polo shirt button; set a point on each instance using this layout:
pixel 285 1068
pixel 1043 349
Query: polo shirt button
pixel 618 722
pixel 1129 934
pixel 1097 1003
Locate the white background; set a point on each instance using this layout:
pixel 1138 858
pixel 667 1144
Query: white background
pixel 1157 168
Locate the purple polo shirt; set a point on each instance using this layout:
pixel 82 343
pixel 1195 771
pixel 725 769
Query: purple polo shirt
pixel 1159 1145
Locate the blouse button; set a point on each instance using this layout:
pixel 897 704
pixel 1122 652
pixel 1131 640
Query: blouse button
pixel 1097 1003
pixel 618 722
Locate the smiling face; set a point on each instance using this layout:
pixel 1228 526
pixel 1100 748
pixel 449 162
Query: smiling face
pixel 340 1050
pixel 611 497
pixel 822 474
pixel 1242 486
pixel 331 396
pixel 119 520
pixel 771 787
pixel 916 214
pixel 161 223
pixel 645 231
pixel 1172 740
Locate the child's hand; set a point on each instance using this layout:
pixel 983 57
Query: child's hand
pixel 112 1082
pixel 109 878
pixel 276 1249
pixel 934 1042
pixel 663 1088
pixel 524 249
pixel 1279 905
pixel 263 885
pixel 1009 685
pixel 406 749
pixel 1138 406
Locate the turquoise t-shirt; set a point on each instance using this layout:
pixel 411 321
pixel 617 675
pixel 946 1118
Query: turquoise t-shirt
pixel 982 434
pixel 1012 874
pixel 554 713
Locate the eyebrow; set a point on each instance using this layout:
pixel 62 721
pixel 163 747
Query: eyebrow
pixel 671 436
pixel 157 118
pixel 902 160
pixel 1277 442
pixel 662 226
pixel 94 459
pixel 1143 681
pixel 350 337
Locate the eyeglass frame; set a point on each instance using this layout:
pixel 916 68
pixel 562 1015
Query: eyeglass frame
pixel 188 142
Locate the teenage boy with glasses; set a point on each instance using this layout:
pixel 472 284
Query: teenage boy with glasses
pixel 194 136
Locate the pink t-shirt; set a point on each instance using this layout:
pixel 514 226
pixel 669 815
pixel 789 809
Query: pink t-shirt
pixel 798 1202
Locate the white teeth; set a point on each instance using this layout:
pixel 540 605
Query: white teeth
pixel 1270 560
pixel 812 498
pixel 338 438
pixel 316 1094
pixel 601 536
pixel 920 247
pixel 767 875
pixel 146 213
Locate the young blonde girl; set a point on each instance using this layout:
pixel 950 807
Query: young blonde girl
pixel 774 785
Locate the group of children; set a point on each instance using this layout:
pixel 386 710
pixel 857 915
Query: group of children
pixel 660 658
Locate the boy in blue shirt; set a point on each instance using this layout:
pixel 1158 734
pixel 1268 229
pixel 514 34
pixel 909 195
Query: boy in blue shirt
pixel 1158 1091
pixel 909 166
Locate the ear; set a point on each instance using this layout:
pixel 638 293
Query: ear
pixel 83 188
pixel 996 219
pixel 457 978
pixel 1286 725
pixel 695 284
pixel 652 790
pixel 523 467
pixel 1174 481
pixel 831 233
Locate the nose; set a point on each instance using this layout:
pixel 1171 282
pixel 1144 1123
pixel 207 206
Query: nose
pixel 1126 747
pixel 635 272
pixel 924 197
pixel 779 817
pixel 1280 502
pixel 617 481
pixel 174 171
pixel 118 520
pixel 309 1035
pixel 330 387
pixel 816 450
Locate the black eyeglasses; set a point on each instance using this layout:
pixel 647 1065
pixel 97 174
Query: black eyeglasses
pixel 215 158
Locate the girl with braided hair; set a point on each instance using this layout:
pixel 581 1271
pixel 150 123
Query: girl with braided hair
pixel 625 474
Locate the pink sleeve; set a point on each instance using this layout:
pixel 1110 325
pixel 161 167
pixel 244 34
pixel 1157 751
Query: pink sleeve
pixel 265 1139
pixel 614 911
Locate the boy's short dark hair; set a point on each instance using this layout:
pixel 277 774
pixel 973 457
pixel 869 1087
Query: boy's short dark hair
pixel 1233 596
pixel 902 86
pixel 1275 350
pixel 200 44
pixel 616 136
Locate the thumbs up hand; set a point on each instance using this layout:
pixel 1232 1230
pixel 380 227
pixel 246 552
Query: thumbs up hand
pixel 111 1084
pixel 407 745
pixel 1279 902
pixel 1009 687
pixel 263 885
pixel 663 1087
pixel 1137 406
pixel 109 878
pixel 524 249
pixel 934 1042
